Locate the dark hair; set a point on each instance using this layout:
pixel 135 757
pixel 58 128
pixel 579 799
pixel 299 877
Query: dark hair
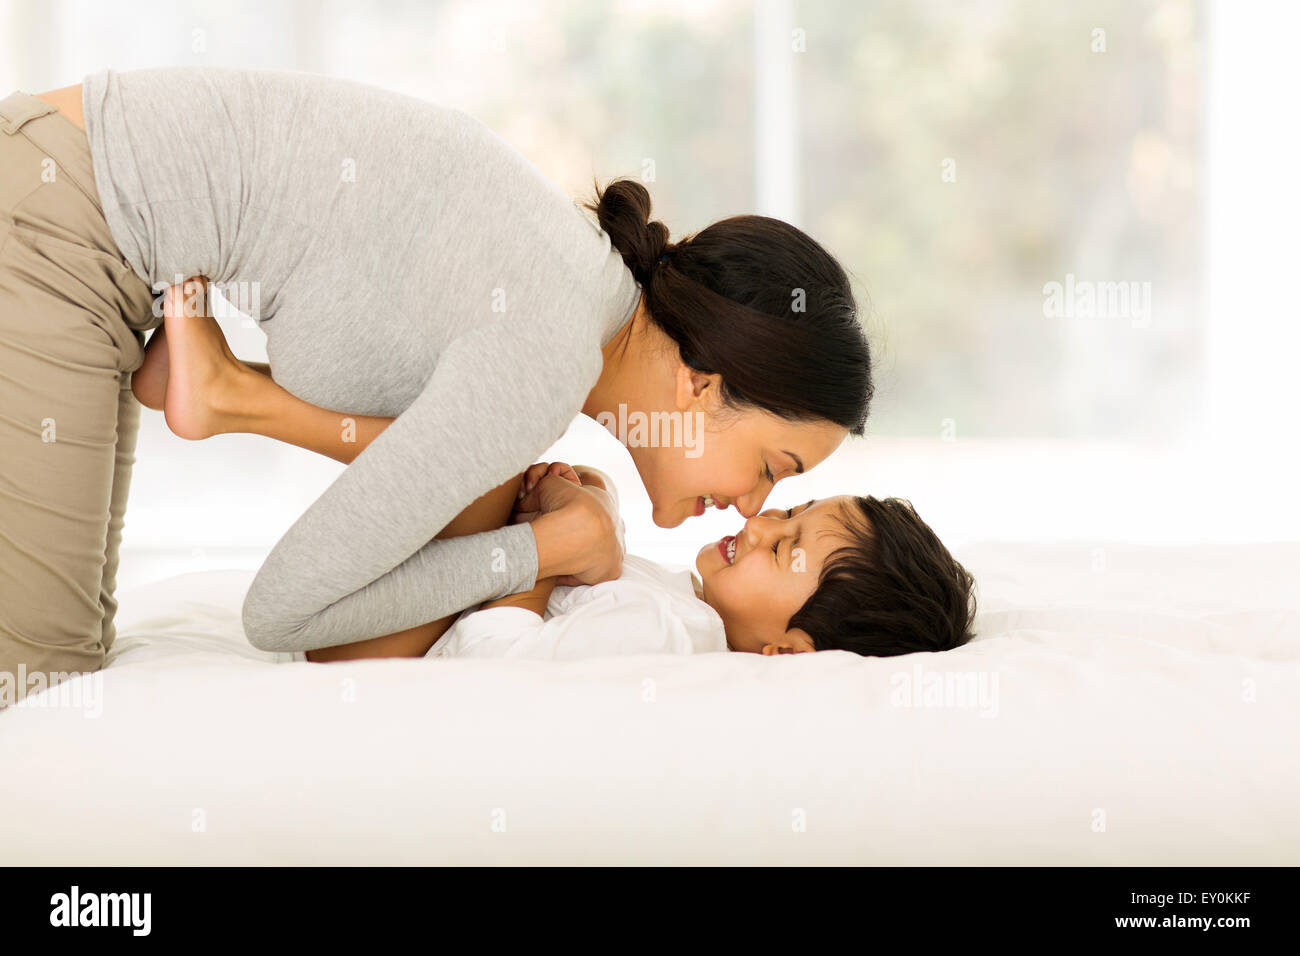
pixel 894 589
pixel 754 300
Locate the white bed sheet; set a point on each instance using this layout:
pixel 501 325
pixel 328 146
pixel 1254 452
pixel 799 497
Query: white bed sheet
pixel 1140 707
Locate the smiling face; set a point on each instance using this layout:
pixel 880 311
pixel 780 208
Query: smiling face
pixel 735 457
pixel 757 579
pixel 691 449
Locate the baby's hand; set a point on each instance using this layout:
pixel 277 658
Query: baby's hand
pixel 527 502
pixel 540 470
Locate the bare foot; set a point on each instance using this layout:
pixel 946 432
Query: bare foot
pixel 204 379
pixel 149 381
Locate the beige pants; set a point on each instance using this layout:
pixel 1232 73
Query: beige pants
pixel 72 316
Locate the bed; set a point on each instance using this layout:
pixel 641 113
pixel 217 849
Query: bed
pixel 1121 705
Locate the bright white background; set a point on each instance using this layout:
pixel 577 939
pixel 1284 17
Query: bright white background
pixel 1166 159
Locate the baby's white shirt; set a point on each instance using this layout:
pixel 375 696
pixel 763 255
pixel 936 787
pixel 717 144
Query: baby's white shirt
pixel 648 609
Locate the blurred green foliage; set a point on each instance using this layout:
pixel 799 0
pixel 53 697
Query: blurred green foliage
pixel 1067 161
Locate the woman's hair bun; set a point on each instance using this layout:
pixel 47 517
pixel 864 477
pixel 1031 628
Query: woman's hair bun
pixel 623 210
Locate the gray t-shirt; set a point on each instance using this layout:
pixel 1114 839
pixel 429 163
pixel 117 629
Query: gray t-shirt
pixel 408 262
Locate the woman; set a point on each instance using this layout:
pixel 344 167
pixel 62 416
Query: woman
pixel 407 264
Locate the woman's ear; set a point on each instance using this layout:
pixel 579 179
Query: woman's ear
pixel 695 391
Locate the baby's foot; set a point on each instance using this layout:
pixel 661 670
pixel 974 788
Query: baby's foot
pixel 203 375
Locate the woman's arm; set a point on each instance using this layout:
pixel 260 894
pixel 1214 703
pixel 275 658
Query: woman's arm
pixel 488 512
pixel 363 558
pixel 229 397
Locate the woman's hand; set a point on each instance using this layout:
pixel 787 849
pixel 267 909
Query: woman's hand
pixel 578 530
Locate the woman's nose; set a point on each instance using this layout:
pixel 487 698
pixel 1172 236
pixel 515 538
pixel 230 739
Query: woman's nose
pixel 751 504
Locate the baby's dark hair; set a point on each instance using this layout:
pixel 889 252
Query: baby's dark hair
pixel 894 589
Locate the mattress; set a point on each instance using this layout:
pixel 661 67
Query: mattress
pixel 1120 705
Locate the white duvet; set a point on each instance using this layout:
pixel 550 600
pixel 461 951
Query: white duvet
pixel 1120 706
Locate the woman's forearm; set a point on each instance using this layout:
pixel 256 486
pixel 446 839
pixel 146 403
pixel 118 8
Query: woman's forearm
pixel 487 513
pixel 266 408
pixel 246 399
